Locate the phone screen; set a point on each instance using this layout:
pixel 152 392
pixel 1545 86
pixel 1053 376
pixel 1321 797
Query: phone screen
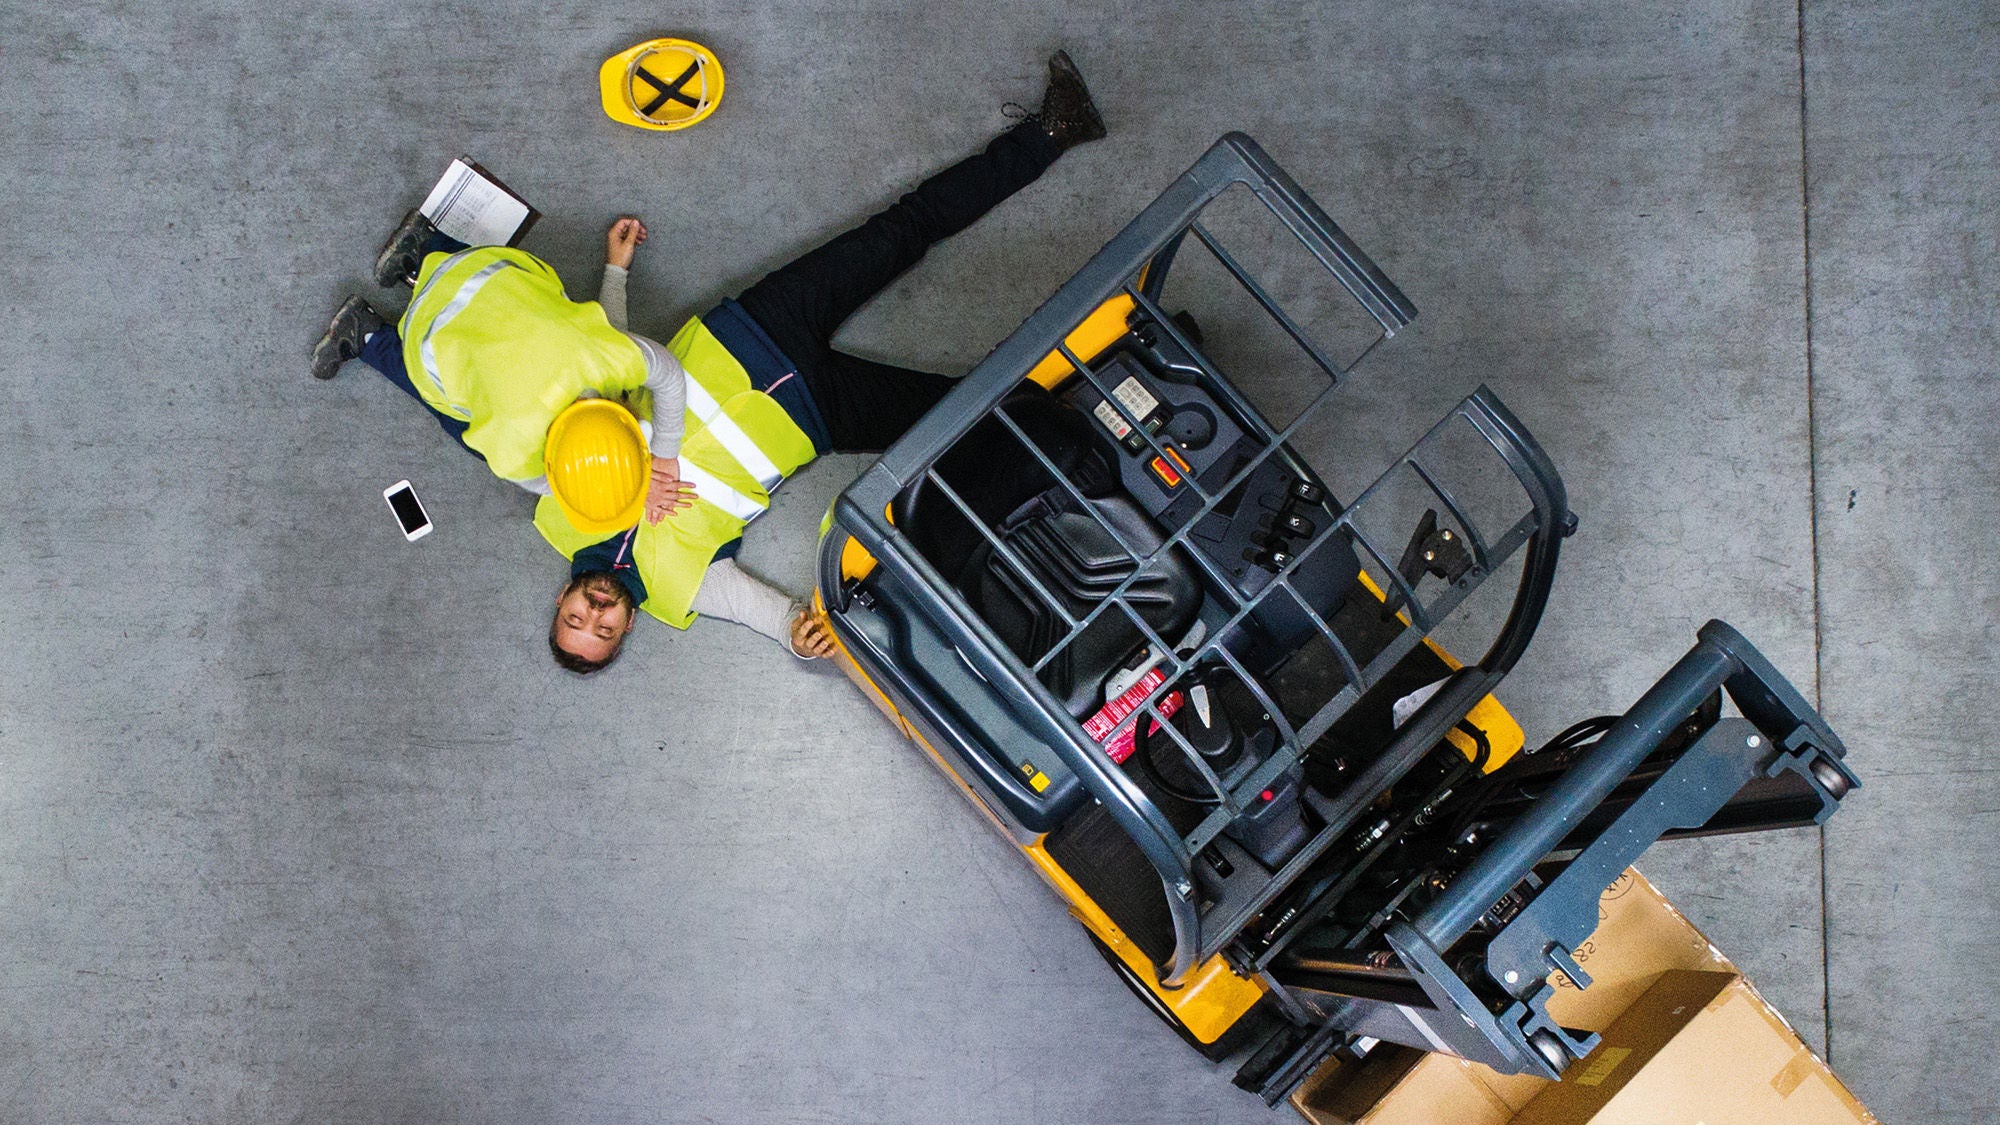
pixel 408 512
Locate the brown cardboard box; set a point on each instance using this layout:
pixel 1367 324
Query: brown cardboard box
pixel 1697 1047
pixel 1639 935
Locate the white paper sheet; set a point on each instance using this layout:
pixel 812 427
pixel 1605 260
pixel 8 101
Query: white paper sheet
pixel 473 209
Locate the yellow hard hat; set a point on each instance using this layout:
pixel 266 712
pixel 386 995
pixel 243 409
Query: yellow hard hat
pixel 661 84
pixel 598 465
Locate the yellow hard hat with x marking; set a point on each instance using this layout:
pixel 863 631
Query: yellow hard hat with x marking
pixel 662 84
pixel 598 466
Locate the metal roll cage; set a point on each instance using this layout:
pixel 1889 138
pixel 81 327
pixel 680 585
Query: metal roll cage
pixel 1136 263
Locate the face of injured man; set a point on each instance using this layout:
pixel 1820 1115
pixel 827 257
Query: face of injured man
pixel 593 614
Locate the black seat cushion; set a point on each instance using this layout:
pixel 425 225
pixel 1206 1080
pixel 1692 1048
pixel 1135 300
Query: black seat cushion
pixel 1068 550
pixel 995 476
pixel 1079 558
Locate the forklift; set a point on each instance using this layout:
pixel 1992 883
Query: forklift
pixel 1243 725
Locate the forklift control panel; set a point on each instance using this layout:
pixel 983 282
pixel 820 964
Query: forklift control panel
pixel 1258 528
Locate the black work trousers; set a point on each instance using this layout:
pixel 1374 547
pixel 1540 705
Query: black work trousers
pixel 867 405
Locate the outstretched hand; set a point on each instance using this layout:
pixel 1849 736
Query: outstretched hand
pixel 811 637
pixel 666 492
pixel 622 241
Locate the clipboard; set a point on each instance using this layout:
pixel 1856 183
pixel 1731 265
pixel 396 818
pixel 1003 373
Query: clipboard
pixel 473 206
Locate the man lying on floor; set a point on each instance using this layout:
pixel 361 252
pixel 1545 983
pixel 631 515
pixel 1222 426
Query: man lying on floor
pixel 742 396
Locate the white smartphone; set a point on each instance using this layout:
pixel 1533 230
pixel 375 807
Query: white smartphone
pixel 409 510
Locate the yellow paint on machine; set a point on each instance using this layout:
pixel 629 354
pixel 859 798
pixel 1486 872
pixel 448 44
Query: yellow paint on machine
pixel 1037 780
pixel 855 561
pixel 1097 332
pixel 1213 998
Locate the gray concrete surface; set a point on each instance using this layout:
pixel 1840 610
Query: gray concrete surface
pixel 298 822
pixel 1903 130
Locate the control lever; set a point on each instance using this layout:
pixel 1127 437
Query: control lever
pixel 1272 545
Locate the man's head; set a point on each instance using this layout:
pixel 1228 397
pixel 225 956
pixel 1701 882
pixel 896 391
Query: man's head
pixel 593 614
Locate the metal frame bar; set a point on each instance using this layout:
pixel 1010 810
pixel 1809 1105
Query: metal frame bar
pixel 1779 734
pixel 1333 370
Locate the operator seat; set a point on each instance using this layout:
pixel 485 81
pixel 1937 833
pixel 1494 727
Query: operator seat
pixel 1077 552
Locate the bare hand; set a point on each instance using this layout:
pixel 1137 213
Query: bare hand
pixel 812 638
pixel 622 241
pixel 666 492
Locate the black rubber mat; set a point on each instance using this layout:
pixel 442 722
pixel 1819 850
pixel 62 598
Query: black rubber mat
pixel 1313 675
pixel 1114 873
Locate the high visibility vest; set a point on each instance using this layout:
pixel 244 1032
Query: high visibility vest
pixel 739 444
pixel 490 338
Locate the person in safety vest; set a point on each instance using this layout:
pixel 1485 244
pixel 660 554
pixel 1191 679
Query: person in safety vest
pixel 738 399
pixel 495 349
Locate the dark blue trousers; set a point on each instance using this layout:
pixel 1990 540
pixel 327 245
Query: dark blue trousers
pixel 384 352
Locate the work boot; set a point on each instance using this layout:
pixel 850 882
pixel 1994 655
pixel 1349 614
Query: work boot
pixel 1068 115
pixel 403 255
pixel 350 327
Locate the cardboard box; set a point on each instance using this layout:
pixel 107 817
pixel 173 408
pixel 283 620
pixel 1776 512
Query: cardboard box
pixel 1639 938
pixel 1639 935
pixel 1697 1047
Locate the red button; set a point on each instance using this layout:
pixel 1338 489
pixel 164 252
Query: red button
pixel 1166 472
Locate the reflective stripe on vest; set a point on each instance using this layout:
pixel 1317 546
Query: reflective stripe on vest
pixel 711 489
pixel 703 405
pixel 458 303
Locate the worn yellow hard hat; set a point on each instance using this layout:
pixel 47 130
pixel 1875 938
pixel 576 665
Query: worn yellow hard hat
pixel 598 466
pixel 661 84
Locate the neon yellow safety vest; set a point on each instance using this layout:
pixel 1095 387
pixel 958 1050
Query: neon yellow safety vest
pixel 739 444
pixel 490 338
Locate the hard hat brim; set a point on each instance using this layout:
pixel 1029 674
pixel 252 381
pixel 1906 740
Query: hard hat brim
pixel 614 84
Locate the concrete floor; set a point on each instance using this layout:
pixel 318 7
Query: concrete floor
pixel 299 823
